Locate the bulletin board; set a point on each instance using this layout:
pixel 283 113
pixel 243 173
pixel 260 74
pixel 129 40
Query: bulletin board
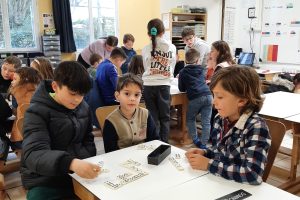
pixel 280 31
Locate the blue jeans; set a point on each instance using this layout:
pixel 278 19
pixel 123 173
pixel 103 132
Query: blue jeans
pixel 202 105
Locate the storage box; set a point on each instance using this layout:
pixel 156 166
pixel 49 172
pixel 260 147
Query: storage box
pixel 159 154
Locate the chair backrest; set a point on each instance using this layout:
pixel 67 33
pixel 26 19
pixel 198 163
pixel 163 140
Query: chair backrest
pixel 103 112
pixel 277 131
pixel 20 116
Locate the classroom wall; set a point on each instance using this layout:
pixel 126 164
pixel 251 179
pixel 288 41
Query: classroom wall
pixel 133 18
pixel 242 38
pixel 214 14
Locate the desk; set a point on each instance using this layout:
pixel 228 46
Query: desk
pixel 213 187
pixel 293 184
pixel 268 74
pixel 180 99
pixel 160 177
pixel 280 105
pixel 284 107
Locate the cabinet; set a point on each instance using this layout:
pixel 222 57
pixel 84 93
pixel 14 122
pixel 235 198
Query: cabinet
pixel 175 22
pixel 51 48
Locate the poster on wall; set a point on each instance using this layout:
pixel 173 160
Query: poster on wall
pixel 229 22
pixel 48 21
pixel 280 35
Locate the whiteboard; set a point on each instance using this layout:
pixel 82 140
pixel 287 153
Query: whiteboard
pixel 280 31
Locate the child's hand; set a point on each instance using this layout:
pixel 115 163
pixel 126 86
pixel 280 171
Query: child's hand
pixel 194 151
pixel 197 161
pixel 85 169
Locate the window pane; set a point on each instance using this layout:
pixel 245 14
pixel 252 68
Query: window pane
pixel 104 22
pixel 103 3
pixel 2 40
pixel 21 24
pixel 80 21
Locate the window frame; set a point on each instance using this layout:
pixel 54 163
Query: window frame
pixel 91 24
pixel 6 29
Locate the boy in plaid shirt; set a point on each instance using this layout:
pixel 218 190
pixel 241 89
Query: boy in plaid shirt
pixel 240 138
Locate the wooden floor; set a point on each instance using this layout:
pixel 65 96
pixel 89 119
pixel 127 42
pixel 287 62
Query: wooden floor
pixel 15 191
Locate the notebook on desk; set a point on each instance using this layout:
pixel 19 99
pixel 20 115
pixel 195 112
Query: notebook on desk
pixel 246 59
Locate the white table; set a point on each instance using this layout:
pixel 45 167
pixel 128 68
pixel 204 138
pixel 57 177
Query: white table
pixel 281 104
pixel 213 187
pixel 284 107
pixel 294 183
pixel 160 177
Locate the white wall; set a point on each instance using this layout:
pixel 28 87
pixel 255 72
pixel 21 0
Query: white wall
pixel 214 14
pixel 242 38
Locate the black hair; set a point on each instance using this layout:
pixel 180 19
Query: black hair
pixel 191 56
pixel 73 75
pixel 118 52
pixel 112 41
pixel 127 79
pixel 155 27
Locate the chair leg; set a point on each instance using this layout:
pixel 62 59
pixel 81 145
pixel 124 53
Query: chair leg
pixel 2 187
pixel 294 157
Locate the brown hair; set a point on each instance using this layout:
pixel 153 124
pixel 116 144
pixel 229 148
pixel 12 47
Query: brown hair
pixel 155 27
pixel 187 32
pixel 242 82
pixel 44 67
pixel 296 79
pixel 27 75
pixel 95 58
pixel 127 79
pixel 224 52
pixel 136 65
pixel 191 56
pixel 13 60
pixel 128 37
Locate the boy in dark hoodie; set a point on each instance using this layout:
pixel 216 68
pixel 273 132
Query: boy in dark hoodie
pixel 58 135
pixel 192 80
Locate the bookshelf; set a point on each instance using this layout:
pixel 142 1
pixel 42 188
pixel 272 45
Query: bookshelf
pixel 175 22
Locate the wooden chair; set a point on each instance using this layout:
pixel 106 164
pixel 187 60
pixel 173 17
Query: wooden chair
pixel 277 131
pixel 103 112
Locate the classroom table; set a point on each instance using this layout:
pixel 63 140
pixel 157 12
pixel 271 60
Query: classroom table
pixel 284 107
pixel 214 187
pixel 267 74
pixel 293 184
pixel 280 105
pixel 180 99
pixel 159 178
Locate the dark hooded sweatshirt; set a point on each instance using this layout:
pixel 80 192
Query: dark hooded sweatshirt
pixel 192 80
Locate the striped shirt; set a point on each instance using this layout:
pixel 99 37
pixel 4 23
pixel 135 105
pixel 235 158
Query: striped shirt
pixel 241 154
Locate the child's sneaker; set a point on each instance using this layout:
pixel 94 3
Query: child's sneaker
pixel 200 145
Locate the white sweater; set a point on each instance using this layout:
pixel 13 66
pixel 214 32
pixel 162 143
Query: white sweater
pixel 159 69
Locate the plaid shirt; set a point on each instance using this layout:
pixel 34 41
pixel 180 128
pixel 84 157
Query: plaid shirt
pixel 241 154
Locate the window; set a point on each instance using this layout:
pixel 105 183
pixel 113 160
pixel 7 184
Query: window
pixel 92 19
pixel 18 32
